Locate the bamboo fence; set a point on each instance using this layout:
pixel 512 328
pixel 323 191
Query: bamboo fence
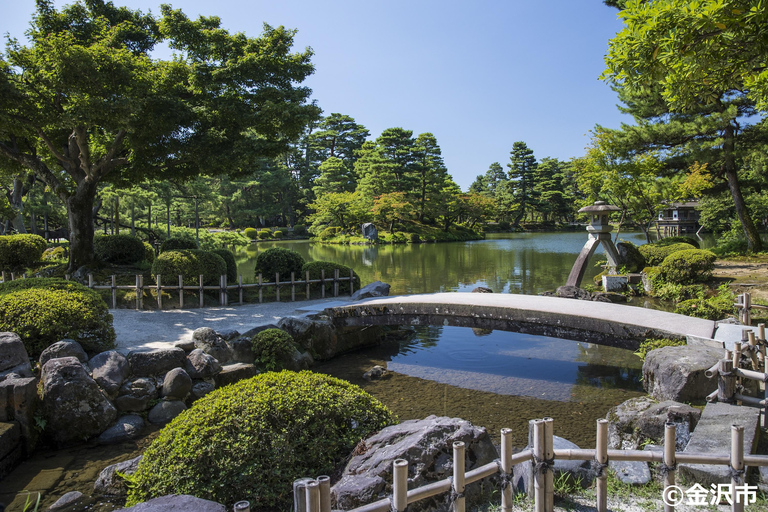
pixel 223 288
pixel 744 306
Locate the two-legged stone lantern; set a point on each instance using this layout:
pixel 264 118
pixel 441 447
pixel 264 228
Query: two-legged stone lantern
pixel 599 233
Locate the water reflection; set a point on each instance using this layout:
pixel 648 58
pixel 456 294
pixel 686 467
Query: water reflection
pixel 517 364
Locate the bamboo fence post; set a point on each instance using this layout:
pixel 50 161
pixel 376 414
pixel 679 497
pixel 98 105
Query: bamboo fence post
pixel 260 290
pixel 601 457
pixel 242 506
pixel 753 350
pixel 306 278
pixel 351 282
pixel 399 484
pixel 761 344
pixel 137 291
pixel 158 283
pixel 726 382
pixel 13 276
pixel 322 283
pixel 114 291
pixel 740 306
pixel 240 288
pixel 670 464
pixel 549 455
pixel 507 492
pixel 335 282
pixel 737 360
pixel 539 481
pixel 141 292
pixel 202 290
pixel 737 466
pixel 312 489
pixel 325 493
pixel 66 276
pixel 277 286
pixel 747 308
pixel 300 494
pixel 90 281
pixel 293 287
pixel 458 476
pixel 221 297
pixel 181 292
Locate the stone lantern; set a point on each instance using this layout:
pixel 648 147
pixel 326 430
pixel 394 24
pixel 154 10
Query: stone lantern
pixel 599 233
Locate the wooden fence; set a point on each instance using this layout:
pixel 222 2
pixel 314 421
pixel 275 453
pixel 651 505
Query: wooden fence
pixel 744 307
pixel 223 288
pixel 314 495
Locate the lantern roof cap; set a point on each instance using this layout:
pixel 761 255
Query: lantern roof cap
pixel 600 206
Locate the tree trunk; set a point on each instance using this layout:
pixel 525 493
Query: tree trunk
pixel 80 213
pixel 729 166
pixel 117 215
pixel 18 205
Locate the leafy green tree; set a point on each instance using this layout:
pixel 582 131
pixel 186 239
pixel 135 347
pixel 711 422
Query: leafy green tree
pixel 339 136
pixel 488 183
pixel 701 58
pixel 391 208
pixel 430 173
pixel 335 176
pixel 85 103
pixel 522 169
pixel 344 209
pixel 552 200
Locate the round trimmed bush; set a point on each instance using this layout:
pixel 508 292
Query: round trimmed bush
pixel 278 234
pixel 252 439
pixel 44 311
pixel 118 249
pixel 251 233
pixel 190 264
pixel 687 267
pixel 655 254
pixel 414 238
pixel 264 234
pixel 17 251
pixel 670 240
pixel 314 268
pixel 299 230
pixel 57 253
pixel 178 243
pixel 229 259
pixel 149 252
pixel 273 348
pixel 278 259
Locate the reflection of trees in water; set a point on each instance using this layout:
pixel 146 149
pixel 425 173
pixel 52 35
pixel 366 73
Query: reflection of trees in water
pixel 608 367
pixel 426 336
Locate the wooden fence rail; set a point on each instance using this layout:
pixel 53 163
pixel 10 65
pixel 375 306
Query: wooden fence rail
pixel 223 287
pixel 312 496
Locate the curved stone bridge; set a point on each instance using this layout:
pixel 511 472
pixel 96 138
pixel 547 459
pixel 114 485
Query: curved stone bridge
pixel 595 322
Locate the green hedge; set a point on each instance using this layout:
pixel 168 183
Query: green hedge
pixel 229 259
pixel 687 267
pixel 252 439
pixel 278 259
pixel 18 251
pixel 178 243
pixel 314 268
pixel 149 252
pixel 190 264
pixel 671 240
pixel 299 230
pixel 119 249
pixel 273 348
pixel 57 253
pixel 44 311
pixel 251 233
pixel 717 307
pixel 655 254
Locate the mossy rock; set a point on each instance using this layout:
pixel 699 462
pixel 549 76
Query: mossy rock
pixel 630 257
pixel 252 439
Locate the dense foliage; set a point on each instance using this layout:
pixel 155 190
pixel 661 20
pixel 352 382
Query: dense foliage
pixel 229 259
pixel 178 243
pixel 688 266
pixel 654 343
pixel 191 264
pixel 654 254
pixel 119 249
pixel 273 348
pixel 250 440
pixel 278 260
pixel 19 251
pixel 44 311
pixel 717 307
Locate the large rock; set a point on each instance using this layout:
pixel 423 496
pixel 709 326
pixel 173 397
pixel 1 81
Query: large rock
pixel 110 483
pixel 677 373
pixel 427 445
pixel 370 232
pixel 73 500
pixel 13 356
pixel 573 292
pixel 317 334
pixel 200 389
pixel 148 363
pixel 165 411
pixel 109 370
pixel 73 404
pixel 640 420
pixel 177 503
pixel 630 257
pixel 18 387
pixel 200 365
pixel 375 289
pixel 176 385
pixel 135 395
pixel 232 373
pixel 127 428
pixel 241 350
pixel 63 348
pixel 207 340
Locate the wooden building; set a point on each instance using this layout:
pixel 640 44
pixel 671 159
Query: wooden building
pixel 679 219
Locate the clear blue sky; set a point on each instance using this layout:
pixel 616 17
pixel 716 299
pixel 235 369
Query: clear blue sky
pixel 478 75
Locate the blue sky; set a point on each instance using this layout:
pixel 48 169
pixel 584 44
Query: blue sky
pixel 478 75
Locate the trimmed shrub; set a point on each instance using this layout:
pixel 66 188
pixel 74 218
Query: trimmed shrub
pixel 149 252
pixel 178 243
pixel 264 234
pixel 278 259
pixel 17 251
pixel 251 233
pixel 717 307
pixel 229 259
pixel 655 254
pixel 273 348
pixel 278 234
pixel 299 230
pixel 670 240
pixel 118 249
pixel 687 267
pixel 252 439
pixel 414 238
pixel 315 268
pixel 57 253
pixel 44 311
pixel 190 264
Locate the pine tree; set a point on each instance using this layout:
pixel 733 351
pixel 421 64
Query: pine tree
pixel 522 168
